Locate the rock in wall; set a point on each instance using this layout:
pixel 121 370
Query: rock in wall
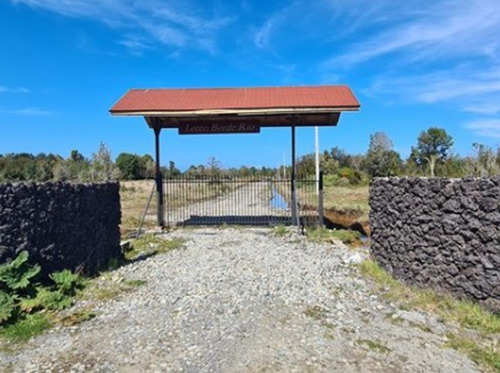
pixel 61 225
pixel 439 233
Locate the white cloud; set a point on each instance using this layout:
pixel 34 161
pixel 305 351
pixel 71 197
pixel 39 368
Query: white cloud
pixel 471 89
pixel 4 89
pixel 440 31
pixel 30 111
pixel 264 33
pixel 485 127
pixel 171 23
pixel 445 52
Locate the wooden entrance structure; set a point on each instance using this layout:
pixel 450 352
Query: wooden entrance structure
pixel 235 110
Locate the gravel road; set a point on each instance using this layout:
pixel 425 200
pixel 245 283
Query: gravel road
pixel 247 203
pixel 245 300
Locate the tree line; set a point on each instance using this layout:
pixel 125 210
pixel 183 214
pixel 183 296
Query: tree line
pixel 432 155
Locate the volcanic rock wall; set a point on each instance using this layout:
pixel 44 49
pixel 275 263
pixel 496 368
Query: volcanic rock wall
pixel 440 233
pixel 61 225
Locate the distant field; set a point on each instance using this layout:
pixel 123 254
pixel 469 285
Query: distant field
pixel 348 199
pixel 134 196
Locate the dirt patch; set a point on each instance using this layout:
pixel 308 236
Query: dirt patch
pixel 346 219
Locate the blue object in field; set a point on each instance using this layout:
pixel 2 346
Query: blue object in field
pixel 278 202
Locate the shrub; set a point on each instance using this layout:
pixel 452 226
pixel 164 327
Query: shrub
pixel 7 307
pixel 20 295
pixel 67 282
pixel 16 276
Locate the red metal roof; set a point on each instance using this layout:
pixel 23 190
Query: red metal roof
pixel 174 99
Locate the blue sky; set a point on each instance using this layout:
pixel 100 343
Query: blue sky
pixel 412 64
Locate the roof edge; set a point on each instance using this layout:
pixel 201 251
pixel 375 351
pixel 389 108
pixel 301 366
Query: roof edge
pixel 262 111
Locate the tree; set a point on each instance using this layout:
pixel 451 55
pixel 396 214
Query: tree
pixel 329 165
pixel 381 160
pixel 306 166
pixel 485 161
pixel 433 146
pixel 76 156
pixel 129 166
pixel 173 171
pixel 214 167
pixel 146 167
pixel 103 168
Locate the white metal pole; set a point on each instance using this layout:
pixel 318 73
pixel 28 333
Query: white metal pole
pixel 284 166
pixel 316 143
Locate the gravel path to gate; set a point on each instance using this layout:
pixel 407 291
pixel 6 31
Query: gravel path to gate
pixel 244 300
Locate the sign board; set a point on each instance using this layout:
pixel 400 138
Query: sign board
pixel 218 128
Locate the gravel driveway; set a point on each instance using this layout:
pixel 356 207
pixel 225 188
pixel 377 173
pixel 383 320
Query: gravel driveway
pixel 245 300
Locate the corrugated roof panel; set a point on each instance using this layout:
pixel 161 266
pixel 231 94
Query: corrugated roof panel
pixel 174 99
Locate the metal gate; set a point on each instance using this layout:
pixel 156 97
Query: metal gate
pixel 241 201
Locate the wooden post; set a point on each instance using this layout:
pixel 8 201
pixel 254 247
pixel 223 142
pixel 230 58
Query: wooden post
pixel 160 207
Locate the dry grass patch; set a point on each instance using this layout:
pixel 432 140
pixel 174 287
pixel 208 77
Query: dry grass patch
pixel 134 197
pixel 348 199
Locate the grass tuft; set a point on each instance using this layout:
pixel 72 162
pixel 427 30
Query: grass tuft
pixel 315 312
pixel 374 345
pixel 464 313
pixel 484 355
pixel 347 237
pixel 151 245
pixel 25 328
pixel 135 283
pixel 78 317
pixel 280 230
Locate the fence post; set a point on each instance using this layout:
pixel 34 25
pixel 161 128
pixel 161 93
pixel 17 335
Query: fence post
pixel 320 199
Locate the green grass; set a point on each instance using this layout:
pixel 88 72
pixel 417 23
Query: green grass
pixel 25 328
pixel 463 313
pixel 152 245
pixel 280 230
pixel 374 345
pixel 347 237
pixel 135 283
pixel 488 356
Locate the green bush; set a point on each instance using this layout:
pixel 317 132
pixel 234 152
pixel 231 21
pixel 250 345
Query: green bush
pixel 16 276
pixel 67 282
pixel 47 299
pixel 7 307
pixel 21 295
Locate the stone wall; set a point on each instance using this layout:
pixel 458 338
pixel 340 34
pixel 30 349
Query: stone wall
pixel 439 233
pixel 61 225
